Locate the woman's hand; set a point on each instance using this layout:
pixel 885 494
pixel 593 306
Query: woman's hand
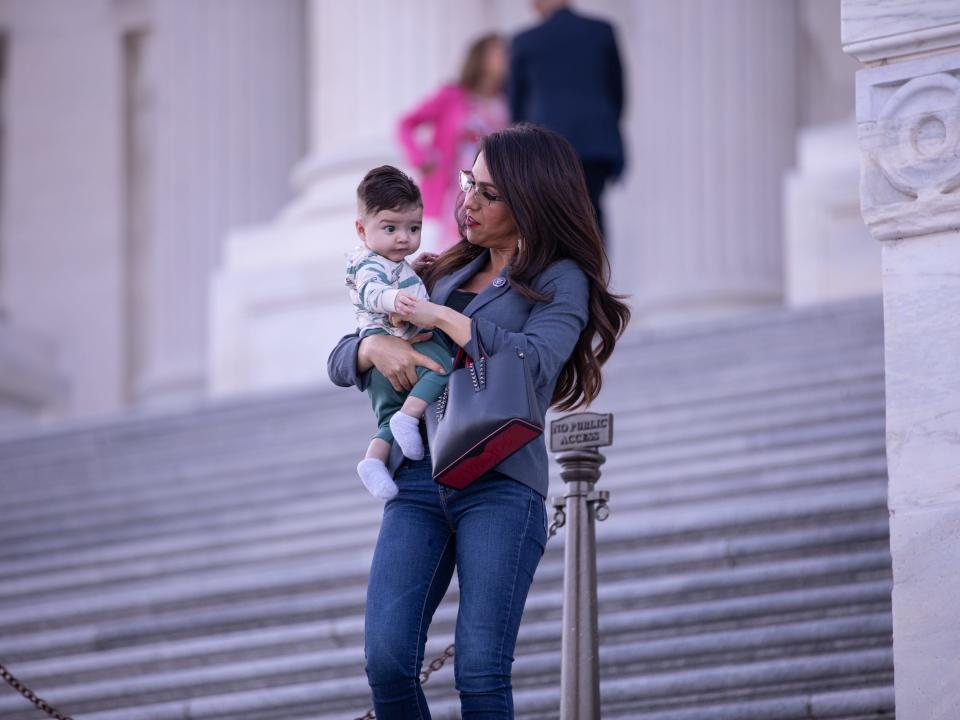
pixel 404 304
pixel 428 315
pixel 423 261
pixel 395 358
pixel 422 313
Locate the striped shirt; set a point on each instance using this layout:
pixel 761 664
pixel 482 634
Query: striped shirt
pixel 373 282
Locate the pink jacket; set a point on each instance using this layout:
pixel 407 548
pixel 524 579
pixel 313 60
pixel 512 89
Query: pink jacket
pixel 446 111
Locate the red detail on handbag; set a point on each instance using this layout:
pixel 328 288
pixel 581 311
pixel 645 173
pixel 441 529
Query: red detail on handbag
pixel 488 453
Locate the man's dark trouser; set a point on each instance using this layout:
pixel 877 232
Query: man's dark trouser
pixel 597 173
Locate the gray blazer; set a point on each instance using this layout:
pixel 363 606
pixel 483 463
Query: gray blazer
pixel 502 318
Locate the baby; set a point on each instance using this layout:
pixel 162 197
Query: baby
pixel 381 282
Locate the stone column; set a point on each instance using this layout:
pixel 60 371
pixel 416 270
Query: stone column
pixel 277 302
pixel 828 253
pixel 61 257
pixel 135 132
pixel 711 94
pixel 908 116
pixel 371 60
pixel 30 383
pixel 229 126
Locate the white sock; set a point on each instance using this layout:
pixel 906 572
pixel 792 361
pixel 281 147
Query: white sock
pixel 376 478
pixel 406 431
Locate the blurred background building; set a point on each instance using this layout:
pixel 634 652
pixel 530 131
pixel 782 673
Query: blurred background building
pixel 177 186
pixel 136 135
pixel 178 176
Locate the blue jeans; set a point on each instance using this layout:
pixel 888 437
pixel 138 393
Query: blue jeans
pixel 493 533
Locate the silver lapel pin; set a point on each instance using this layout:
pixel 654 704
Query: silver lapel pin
pixel 499 282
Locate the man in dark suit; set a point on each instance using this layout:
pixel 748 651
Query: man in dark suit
pixel 565 73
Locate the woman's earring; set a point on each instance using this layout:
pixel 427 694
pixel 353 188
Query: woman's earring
pixel 520 244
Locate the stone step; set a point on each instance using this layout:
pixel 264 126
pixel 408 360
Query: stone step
pixel 738 448
pixel 99 467
pixel 97 567
pixel 295 592
pixel 299 488
pixel 315 637
pixel 750 349
pixel 66 576
pixel 623 564
pixel 109 458
pixel 349 528
pixel 616 595
pixel 649 657
pixel 703 417
pixel 823 324
pixel 787 348
pixel 212 563
pixel 821 320
pixel 867 703
pixel 791 678
pixel 349 532
pixel 732 434
pixel 184 640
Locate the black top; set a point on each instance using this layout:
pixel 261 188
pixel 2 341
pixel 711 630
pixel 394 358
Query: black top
pixel 456 300
pixel 459 299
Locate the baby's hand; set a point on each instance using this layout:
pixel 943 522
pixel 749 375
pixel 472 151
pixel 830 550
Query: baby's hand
pixel 405 303
pixel 423 261
pixel 396 320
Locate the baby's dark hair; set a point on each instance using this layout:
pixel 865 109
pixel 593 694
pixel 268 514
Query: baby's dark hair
pixel 386 188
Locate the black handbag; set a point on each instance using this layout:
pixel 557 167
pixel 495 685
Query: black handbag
pixel 486 413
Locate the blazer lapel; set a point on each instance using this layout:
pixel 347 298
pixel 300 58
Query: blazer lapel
pixel 443 288
pixel 494 290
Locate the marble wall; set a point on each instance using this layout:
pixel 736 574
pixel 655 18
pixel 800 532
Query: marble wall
pixel 908 118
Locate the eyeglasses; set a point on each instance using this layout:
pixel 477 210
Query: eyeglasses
pixel 468 184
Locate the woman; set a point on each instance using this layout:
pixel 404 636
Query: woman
pixel 458 115
pixel 530 274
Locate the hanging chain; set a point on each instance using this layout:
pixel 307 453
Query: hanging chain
pixel 600 508
pixel 436 664
pixel 559 518
pixel 31 696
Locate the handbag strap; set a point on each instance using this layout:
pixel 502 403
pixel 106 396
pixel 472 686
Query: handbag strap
pixel 464 360
pixel 477 370
pixel 478 376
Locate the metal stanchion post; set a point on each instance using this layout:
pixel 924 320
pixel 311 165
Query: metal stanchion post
pixel 576 439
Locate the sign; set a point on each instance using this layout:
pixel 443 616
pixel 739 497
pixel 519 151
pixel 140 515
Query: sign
pixel 580 431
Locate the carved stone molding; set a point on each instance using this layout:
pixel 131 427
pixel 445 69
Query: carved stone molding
pixel 921 123
pixel 879 31
pixel 908 118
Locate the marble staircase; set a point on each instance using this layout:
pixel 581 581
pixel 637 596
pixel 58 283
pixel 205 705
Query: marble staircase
pixel 211 564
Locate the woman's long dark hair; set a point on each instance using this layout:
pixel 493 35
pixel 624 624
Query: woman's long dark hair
pixel 540 178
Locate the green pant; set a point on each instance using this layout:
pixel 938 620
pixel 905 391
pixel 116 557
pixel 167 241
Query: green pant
pixel 386 401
